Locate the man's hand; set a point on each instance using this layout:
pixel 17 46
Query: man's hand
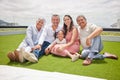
pixel 88 41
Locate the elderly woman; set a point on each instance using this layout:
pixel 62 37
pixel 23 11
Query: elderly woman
pixel 28 44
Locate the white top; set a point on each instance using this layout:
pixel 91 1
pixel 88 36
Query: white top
pixel 48 34
pixel 32 36
pixel 84 33
pixel 57 41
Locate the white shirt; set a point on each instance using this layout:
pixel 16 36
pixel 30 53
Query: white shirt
pixel 48 34
pixel 57 41
pixel 32 36
pixel 84 33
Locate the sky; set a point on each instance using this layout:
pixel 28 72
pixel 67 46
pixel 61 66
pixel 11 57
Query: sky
pixel 25 12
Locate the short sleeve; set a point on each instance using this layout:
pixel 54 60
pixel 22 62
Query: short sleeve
pixel 92 27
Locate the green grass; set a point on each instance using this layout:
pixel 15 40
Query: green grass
pixel 107 68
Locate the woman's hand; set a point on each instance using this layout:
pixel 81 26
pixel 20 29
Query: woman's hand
pixel 37 47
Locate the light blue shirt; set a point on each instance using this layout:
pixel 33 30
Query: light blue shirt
pixel 48 34
pixel 32 36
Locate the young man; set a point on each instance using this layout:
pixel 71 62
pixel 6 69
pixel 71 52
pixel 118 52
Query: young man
pixel 91 41
pixel 28 44
pixel 47 36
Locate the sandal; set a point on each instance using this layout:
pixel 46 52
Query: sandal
pixel 17 55
pixel 86 62
pixel 11 56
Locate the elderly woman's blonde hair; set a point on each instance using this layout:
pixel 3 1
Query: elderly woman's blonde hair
pixel 41 18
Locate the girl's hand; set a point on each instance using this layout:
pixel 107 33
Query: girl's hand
pixel 47 50
pixel 36 47
pixel 61 48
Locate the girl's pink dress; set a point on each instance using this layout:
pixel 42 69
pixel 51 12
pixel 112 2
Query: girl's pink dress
pixel 75 47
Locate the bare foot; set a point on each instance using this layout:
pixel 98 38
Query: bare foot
pixel 112 56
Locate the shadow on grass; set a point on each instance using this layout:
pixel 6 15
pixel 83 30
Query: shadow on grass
pixel 96 61
pixel 59 56
pixel 99 62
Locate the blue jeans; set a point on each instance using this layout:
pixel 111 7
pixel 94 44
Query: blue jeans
pixel 92 52
pixel 40 53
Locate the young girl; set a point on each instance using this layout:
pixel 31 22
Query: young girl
pixel 60 39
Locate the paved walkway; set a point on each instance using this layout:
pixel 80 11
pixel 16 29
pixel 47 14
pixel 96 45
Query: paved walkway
pixel 106 38
pixel 17 73
pixel 111 38
pixel 11 32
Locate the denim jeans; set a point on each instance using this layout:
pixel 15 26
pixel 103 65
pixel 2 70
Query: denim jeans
pixel 92 52
pixel 39 53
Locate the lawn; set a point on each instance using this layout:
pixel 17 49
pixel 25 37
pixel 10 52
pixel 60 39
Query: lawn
pixel 107 68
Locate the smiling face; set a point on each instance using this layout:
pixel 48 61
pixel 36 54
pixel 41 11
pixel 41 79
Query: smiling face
pixel 60 35
pixel 67 20
pixel 39 23
pixel 81 21
pixel 55 20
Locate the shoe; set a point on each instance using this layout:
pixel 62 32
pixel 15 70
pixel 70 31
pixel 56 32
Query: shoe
pixel 11 56
pixel 112 56
pixel 19 56
pixel 30 57
pixel 87 61
pixel 75 57
pixel 79 55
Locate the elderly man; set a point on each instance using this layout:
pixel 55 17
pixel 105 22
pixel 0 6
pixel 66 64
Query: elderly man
pixel 91 41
